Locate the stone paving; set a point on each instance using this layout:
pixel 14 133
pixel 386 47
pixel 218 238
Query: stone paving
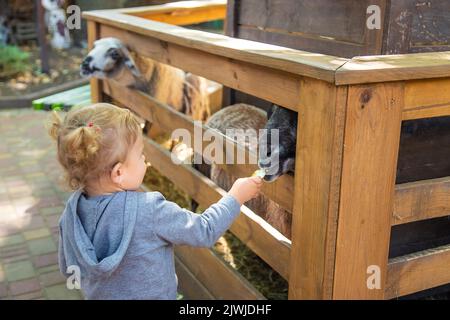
pixel 31 202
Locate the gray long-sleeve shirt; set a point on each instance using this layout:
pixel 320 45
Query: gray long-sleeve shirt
pixel 123 243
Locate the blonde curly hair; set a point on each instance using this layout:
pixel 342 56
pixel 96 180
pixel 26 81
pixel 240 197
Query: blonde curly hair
pixel 92 139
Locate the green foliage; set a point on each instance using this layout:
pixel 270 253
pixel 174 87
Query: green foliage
pixel 12 61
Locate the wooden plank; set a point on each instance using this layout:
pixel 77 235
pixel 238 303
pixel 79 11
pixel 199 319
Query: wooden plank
pixel 430 92
pixel 273 85
pixel 427 98
pixel 280 191
pixel 421 200
pixel 318 160
pixel 185 16
pixel 231 18
pixel 372 135
pixel 96 84
pixel 325 18
pixel 189 285
pixel 269 56
pixel 190 6
pixel 427 112
pixel 219 278
pixel 320 26
pixel 418 26
pixel 418 271
pixel 301 41
pixel 372 69
pixel 252 230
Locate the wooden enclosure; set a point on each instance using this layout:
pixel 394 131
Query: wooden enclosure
pixel 339 27
pixel 344 198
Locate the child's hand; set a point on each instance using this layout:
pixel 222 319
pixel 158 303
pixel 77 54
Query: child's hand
pixel 245 189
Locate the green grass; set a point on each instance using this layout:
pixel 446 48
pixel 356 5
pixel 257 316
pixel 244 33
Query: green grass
pixel 12 61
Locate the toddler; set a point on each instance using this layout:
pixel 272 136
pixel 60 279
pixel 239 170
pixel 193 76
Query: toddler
pixel 119 239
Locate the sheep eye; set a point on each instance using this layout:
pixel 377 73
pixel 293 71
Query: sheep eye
pixel 114 54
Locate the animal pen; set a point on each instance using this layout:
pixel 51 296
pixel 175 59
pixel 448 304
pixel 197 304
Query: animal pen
pixel 343 197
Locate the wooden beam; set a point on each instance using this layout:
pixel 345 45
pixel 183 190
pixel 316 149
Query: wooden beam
pixel 427 98
pixel 185 16
pixel 317 181
pixel 189 285
pixel 168 119
pixel 421 200
pixel 252 230
pixel 268 56
pixel 371 69
pixel 273 85
pixel 231 18
pixel 418 271
pixel 42 40
pixel 96 84
pixel 216 275
pixel 174 7
pixel 372 135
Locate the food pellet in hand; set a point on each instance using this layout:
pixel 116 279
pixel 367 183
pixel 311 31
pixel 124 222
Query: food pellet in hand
pixel 259 173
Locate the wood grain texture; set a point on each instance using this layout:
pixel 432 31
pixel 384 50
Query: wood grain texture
pixel 185 15
pixel 270 56
pixel 174 7
pixel 318 166
pixel 93 30
pixel 421 200
pixel 372 134
pixel 427 98
pixel 371 69
pixel 417 26
pixel 273 85
pixel 189 285
pixel 321 26
pixel 214 274
pixel 418 271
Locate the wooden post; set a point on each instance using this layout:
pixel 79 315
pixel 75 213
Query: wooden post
pixel 96 84
pixel 372 136
pixel 321 117
pixel 45 68
pixel 228 94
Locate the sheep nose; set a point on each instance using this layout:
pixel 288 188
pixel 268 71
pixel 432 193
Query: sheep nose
pixel 86 61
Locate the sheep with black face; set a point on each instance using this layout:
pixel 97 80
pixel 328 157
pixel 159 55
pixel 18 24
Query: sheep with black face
pixel 278 159
pixel 250 119
pixel 423 154
pixel 111 59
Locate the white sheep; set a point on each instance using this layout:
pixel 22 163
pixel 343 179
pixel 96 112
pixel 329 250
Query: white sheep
pixel 183 91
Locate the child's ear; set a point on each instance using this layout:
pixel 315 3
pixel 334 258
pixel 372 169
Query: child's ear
pixel 117 173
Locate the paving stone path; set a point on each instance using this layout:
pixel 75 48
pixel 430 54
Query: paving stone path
pixel 31 202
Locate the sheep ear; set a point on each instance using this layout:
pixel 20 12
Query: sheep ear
pixel 129 62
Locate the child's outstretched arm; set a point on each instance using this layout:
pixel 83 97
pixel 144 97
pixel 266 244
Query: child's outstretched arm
pixel 181 226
